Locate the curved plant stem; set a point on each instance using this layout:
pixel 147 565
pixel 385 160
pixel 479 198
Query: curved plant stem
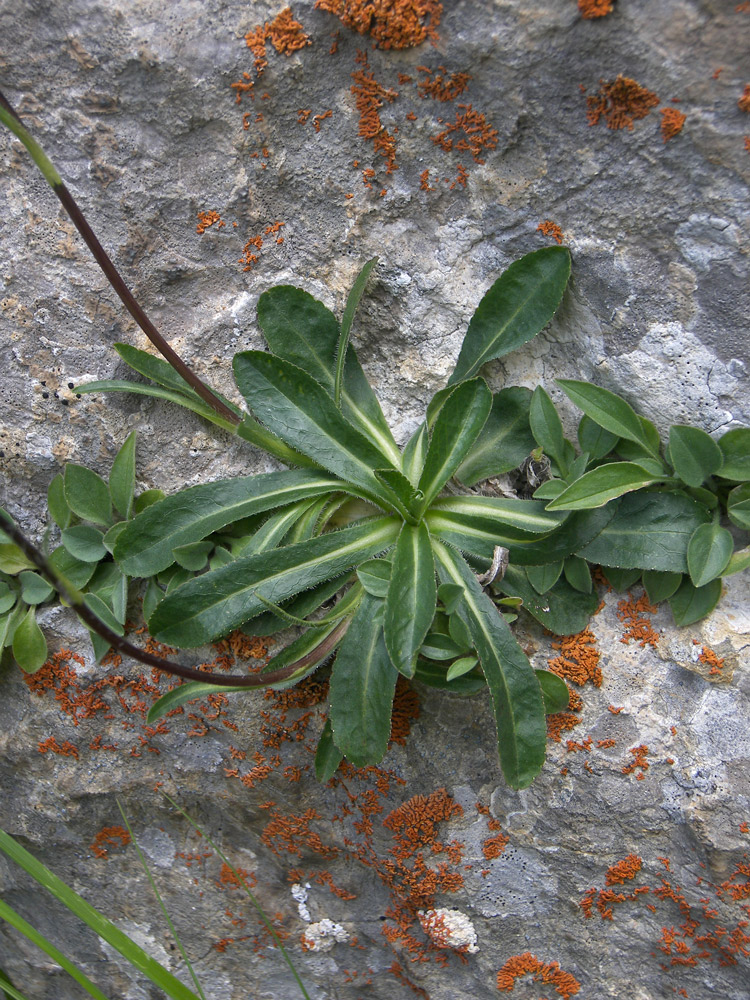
pixel 10 119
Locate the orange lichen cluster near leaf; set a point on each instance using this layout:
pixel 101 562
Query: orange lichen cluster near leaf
pixel 559 723
pixel 638 625
pixel 66 749
pixel 478 134
pixel 623 870
pixel 714 662
pixel 549 228
pixel 743 102
pixel 405 711
pixel 369 96
pixel 392 24
pixel 672 121
pixel 115 836
pixel 284 33
pixel 442 86
pixel 594 8
pixel 208 219
pixel 578 660
pixel 620 102
pixel 550 973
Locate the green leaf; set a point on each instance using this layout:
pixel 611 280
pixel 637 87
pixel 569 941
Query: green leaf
pixel 435 675
pixel 161 372
pixel 547 428
pixel 660 586
pixel 609 411
pixel 515 691
pixel 460 667
pixel 217 602
pixel 516 308
pixel 182 694
pixel 297 408
pixel 449 594
pixel 87 494
pixel 504 441
pixel 401 488
pixel 501 516
pixel 550 489
pixel 301 330
pixel 273 530
pixel 13 560
pixel 75 571
pixel 554 691
pixel 578 574
pixel 35 589
pixel 350 309
pixel 622 579
pixel 438 646
pixel 8 597
pixel 602 484
pixel 708 553
pixel 735 448
pixel 301 606
pixel 145 547
pixel 543 578
pixel 151 598
pixel 412 597
pixel 456 429
pixel 649 531
pixel 375 576
pixel 192 556
pixel 327 756
pixel 694 454
pixel 690 603
pixel 9 622
pixel 594 439
pixel 578 529
pixel 740 560
pixel 97 607
pixel 57 505
pixel 147 499
pixel 561 609
pixel 363 682
pixel 95 920
pixel 85 542
pixel 122 477
pixel 111 536
pixel 415 452
pixel 738 506
pixel 109 583
pixel 29 644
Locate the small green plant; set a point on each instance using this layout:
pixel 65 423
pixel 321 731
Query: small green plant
pixel 398 561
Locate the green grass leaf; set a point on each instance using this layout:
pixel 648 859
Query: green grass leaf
pixel 504 441
pixel 609 411
pixel 708 553
pixel 347 319
pixel 412 597
pixel 694 454
pixel 516 308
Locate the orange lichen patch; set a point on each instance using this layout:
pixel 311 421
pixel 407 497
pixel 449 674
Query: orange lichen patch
pixel 478 134
pixel 289 834
pixel 249 258
pixel 424 181
pixel 615 710
pixel 66 749
pixel 594 8
pixel 672 121
pixel 744 827
pixel 414 823
pixel 549 228
pixel 243 86
pixel 319 118
pixel 369 96
pixel 744 102
pixel 605 744
pixel 303 114
pixel 462 175
pixel 405 711
pixel 560 723
pixel 578 660
pixel 634 614
pixel 747 143
pixel 236 879
pixel 392 24
pixel 284 33
pixel 639 762
pixel 114 836
pixel 59 676
pixel 208 219
pixel 737 886
pixel 441 86
pixel 621 871
pixel 550 973
pixel 716 663
pixel 620 102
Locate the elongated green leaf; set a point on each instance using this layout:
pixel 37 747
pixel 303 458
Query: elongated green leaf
pixel 350 309
pixel 456 429
pixel 689 604
pixel 327 756
pixel 57 505
pixel 8 989
pixel 363 682
pixel 85 542
pixel 608 410
pixel 403 492
pixel 505 439
pixel 95 920
pixel 649 531
pixel 438 646
pixel 516 695
pixel 301 606
pixel 9 622
pixel 516 308
pixel 594 439
pixel 9 596
pixel 740 560
pixel 660 586
pixel 415 453
pixel 738 506
pixel 301 330
pixel 708 552
pixel 184 693
pixel 29 644
pixel 145 546
pixel 161 372
pixel 598 486
pixel 211 605
pixel 412 597
pixel 297 408
pixel 554 691
pixel 122 477
pixel 87 494
pixel 735 449
pixel 308 522
pixel 694 454
pixel 195 405
pixel 547 428
pixel 16 920
pixel 561 609
pixel 477 524
pixel 98 607
pixel 460 667
pixel 273 530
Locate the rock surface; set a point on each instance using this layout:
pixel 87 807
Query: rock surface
pixel 651 800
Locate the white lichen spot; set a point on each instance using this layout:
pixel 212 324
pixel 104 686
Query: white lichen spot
pixel 449 929
pixel 323 935
pixel 300 894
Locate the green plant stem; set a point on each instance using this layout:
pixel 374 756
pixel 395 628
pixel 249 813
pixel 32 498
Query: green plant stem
pixel 11 120
pixel 261 912
pixel 8 990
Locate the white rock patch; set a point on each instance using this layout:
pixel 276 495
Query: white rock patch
pixel 323 935
pixel 449 929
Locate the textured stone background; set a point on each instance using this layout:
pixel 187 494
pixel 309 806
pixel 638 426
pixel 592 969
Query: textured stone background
pixel 134 104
